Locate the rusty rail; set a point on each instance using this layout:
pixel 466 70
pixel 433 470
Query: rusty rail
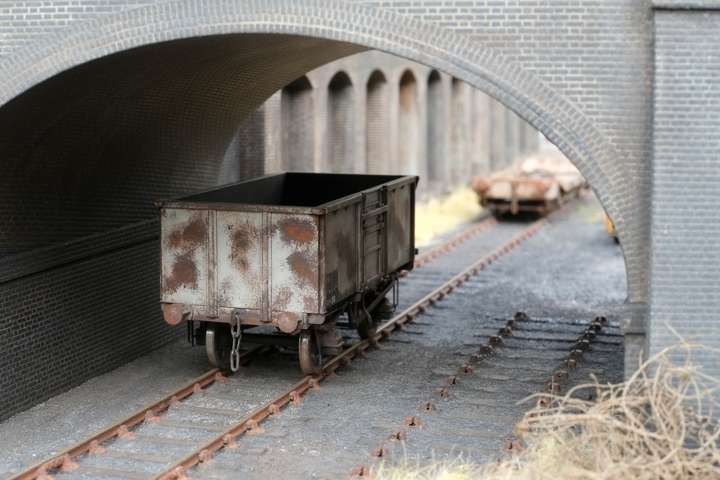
pixel 553 386
pixel 485 351
pixel 65 461
pixel 560 375
pixel 455 241
pixel 294 394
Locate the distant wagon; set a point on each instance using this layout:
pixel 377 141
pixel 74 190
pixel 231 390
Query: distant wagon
pixel 536 185
pixel 291 252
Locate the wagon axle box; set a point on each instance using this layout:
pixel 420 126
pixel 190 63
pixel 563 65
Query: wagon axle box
pixel 292 250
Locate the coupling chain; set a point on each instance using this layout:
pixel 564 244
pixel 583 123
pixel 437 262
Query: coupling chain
pixel 236 335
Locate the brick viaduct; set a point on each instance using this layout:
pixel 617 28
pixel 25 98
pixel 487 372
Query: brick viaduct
pixel 107 105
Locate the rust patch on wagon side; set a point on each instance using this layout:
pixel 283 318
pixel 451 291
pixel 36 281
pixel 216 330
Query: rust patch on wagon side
pixel 297 230
pixel 191 235
pixel 183 273
pixel 303 268
pixel 243 239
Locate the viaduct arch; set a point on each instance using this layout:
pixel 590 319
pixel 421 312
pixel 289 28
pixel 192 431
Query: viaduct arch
pixel 171 81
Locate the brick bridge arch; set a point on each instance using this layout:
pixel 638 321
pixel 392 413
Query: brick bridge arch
pixel 262 45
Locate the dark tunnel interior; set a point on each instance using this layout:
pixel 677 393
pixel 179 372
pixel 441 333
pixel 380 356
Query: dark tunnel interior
pixel 92 148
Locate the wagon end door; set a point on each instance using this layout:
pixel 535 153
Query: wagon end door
pixel 374 235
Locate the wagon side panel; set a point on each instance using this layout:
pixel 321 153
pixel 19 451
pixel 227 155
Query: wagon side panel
pixel 341 254
pixel 294 263
pixel 401 226
pixel 239 259
pixel 184 252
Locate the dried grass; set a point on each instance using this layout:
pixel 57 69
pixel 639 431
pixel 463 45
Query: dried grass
pixel 440 215
pixel 661 423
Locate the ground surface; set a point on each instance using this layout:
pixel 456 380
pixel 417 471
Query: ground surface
pixel 564 276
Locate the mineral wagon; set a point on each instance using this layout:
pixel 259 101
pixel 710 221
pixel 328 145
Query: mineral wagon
pixel 290 252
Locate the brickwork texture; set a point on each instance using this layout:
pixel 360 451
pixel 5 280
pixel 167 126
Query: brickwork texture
pixel 685 253
pixel 107 105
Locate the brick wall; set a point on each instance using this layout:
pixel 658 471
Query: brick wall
pixel 579 71
pixel 685 283
pixel 81 169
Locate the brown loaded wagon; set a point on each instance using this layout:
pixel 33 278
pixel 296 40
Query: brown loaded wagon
pixel 538 184
pixel 292 251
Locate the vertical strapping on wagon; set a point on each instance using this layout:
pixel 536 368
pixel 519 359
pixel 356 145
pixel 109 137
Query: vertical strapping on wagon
pixel 266 270
pixel 212 291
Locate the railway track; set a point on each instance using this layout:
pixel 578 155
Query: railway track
pixel 68 460
pixel 442 395
pixel 251 423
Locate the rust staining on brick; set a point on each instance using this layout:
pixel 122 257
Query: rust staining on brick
pixel 184 273
pixel 191 235
pixel 303 268
pixel 297 230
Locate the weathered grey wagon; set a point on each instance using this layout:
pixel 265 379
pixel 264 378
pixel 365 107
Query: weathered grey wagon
pixel 293 251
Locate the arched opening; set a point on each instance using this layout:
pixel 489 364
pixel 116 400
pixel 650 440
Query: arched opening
pixel 298 128
pixel 93 147
pixel 481 66
pixel 92 133
pixel 408 125
pixel 377 124
pixel 340 124
pixel 437 164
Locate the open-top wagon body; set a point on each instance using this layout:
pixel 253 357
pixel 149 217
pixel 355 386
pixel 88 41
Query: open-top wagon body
pixel 292 251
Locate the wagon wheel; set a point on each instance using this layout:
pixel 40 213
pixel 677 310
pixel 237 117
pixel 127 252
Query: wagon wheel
pixel 310 352
pixel 218 345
